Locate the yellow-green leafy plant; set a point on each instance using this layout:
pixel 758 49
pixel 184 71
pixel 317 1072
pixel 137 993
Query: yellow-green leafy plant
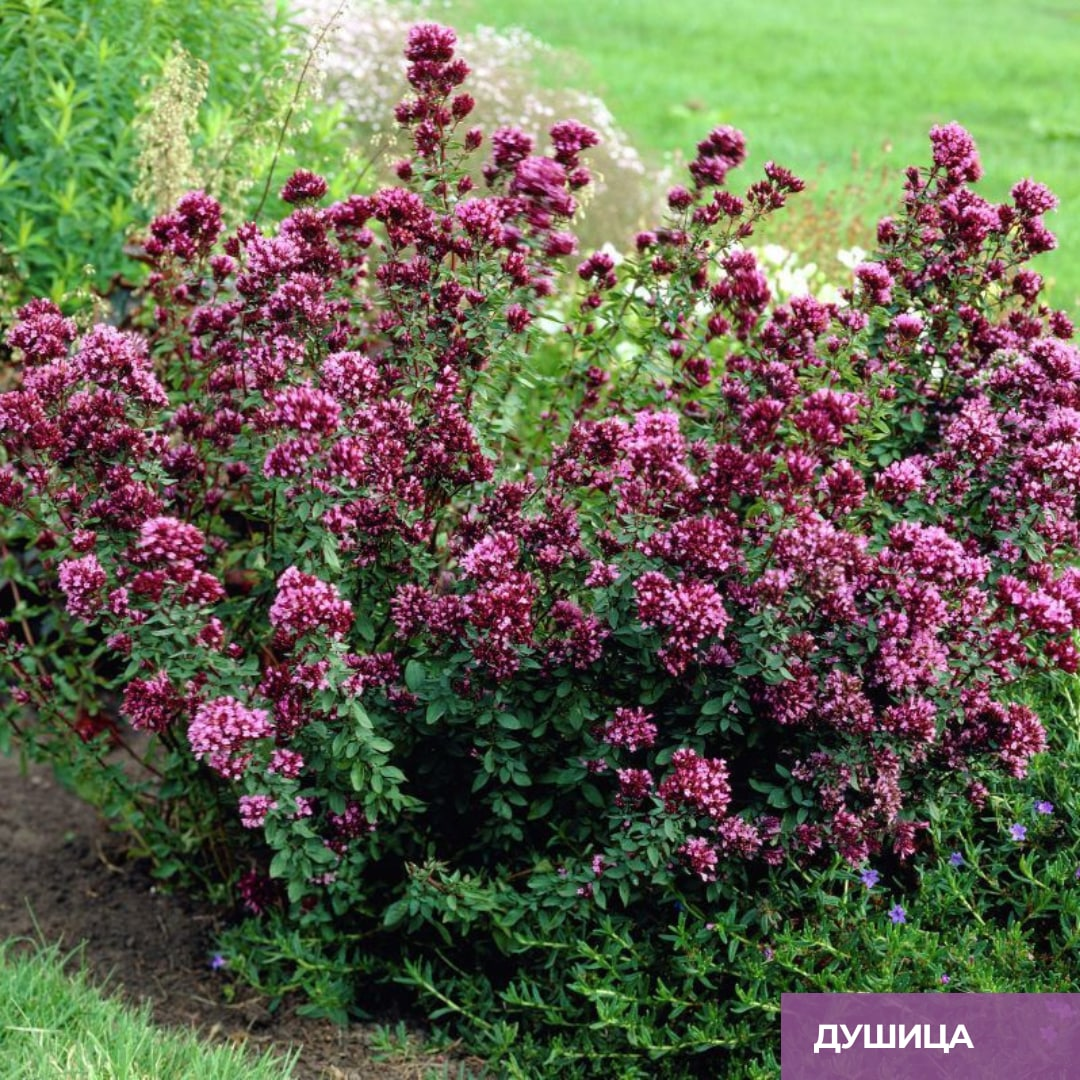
pixel 72 76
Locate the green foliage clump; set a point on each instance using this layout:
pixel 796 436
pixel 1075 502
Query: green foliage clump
pixel 72 76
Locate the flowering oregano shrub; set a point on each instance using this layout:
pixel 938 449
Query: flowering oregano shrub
pixel 457 662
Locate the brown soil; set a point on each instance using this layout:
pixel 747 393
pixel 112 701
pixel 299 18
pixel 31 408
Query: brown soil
pixel 63 878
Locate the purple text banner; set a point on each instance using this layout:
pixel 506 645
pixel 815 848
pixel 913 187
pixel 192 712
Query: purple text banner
pixel 926 1036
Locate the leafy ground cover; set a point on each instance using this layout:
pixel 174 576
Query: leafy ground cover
pixel 826 83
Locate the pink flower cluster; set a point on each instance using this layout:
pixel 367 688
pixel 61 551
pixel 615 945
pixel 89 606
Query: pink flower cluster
pixel 152 704
pixel 701 857
pixel 221 732
pixel 697 784
pixel 167 540
pixel 689 612
pixel 304 605
pixel 254 810
pixel 83 581
pixel 630 728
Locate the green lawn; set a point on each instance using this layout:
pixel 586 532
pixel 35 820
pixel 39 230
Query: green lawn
pixel 817 82
pixel 55 1026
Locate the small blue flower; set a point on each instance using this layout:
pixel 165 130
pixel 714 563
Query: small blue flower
pixel 1043 807
pixel 869 878
pixel 956 859
pixel 217 962
pixel 945 980
pixel 898 914
pixel 1019 832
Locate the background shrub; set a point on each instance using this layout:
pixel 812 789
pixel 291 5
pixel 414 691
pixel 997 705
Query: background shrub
pixel 72 75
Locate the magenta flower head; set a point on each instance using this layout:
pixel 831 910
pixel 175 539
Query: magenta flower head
pixel 542 181
pixel 189 230
pixel 701 857
pixel 876 282
pixel 698 783
pixel 630 728
pixel 303 187
pixel 220 732
pixel 430 42
pixel 679 198
pixel 1033 198
pixel 304 604
pixel 509 145
pixel 82 580
pixel 166 539
pixel 908 326
pixel 254 809
pixel 723 150
pixel 152 704
pixel 569 138
pixel 42 331
pixel 955 152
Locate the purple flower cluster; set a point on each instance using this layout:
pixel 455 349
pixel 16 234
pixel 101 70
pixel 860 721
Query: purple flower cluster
pixel 254 809
pixel 83 582
pixel 689 613
pixel 630 728
pixel 304 605
pixel 222 731
pixel 152 704
pixel 717 155
pixel 696 783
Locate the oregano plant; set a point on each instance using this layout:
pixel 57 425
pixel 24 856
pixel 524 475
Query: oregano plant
pixel 485 650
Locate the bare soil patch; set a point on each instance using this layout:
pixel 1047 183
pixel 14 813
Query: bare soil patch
pixel 64 877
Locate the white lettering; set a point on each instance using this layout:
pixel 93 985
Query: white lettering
pixel 907 1034
pixel 941 1044
pixel 821 1044
pixel 880 1043
pixel 890 1037
pixel 851 1036
pixel 960 1035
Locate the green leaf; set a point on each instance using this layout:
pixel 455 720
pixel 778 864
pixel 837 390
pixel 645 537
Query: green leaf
pixel 592 796
pixel 280 863
pixel 395 913
pixel 358 776
pixel 415 675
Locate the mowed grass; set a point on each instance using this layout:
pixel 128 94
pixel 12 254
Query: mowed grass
pixel 835 89
pixel 55 1026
